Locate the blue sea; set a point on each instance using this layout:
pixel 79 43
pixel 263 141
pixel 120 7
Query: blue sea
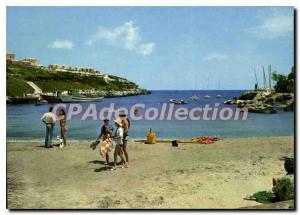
pixel 23 121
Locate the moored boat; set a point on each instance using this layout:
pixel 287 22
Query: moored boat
pixel 194 97
pixel 231 101
pixel 70 98
pixel 59 98
pixel 178 101
pixel 41 102
pixel 51 98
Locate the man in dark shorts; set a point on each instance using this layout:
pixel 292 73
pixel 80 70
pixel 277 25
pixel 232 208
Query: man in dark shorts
pixel 125 125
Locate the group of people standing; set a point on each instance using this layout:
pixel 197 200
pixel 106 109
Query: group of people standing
pixel 49 119
pixel 118 139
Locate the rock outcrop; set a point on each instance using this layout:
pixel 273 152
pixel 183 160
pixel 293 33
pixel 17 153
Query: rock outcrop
pixel 262 102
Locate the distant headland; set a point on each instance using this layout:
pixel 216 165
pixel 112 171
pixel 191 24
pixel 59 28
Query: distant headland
pixel 27 79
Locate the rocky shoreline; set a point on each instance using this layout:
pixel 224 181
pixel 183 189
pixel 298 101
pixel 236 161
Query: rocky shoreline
pixel 135 92
pixel 106 94
pixel 262 102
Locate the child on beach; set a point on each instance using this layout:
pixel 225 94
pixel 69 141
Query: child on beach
pixel 104 148
pixel 106 145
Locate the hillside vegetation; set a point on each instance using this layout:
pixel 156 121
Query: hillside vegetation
pixel 284 83
pixel 17 86
pixel 49 81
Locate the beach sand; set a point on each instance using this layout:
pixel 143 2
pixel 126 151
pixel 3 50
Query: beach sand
pixel 198 176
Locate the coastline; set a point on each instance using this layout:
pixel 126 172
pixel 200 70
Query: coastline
pixel 106 94
pixel 218 175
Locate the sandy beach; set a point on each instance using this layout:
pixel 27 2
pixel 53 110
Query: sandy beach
pixel 198 176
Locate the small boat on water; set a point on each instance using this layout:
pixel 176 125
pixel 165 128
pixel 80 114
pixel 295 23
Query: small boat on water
pixel 178 101
pixel 207 97
pixel 51 98
pixel 218 96
pixel 69 98
pixel 41 102
pixel 231 101
pixel 194 97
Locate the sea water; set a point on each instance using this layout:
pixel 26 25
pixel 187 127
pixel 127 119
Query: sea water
pixel 23 120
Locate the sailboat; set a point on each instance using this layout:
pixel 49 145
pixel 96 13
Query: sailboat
pixel 207 96
pixel 194 97
pixel 218 95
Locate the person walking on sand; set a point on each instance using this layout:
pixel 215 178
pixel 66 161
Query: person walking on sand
pixel 63 128
pixel 125 126
pixel 49 119
pixel 106 132
pixel 118 138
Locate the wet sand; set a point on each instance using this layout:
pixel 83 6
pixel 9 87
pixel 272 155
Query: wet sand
pixel 219 175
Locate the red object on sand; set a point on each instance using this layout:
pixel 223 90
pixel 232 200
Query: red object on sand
pixel 204 140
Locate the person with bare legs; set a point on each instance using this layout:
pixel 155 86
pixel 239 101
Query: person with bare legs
pixel 63 128
pixel 106 133
pixel 125 126
pixel 118 138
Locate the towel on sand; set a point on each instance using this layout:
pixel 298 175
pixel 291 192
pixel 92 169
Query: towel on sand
pixel 204 140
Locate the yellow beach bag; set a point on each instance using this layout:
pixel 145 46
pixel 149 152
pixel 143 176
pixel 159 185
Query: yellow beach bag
pixel 151 137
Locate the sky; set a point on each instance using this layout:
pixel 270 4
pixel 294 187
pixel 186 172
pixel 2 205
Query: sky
pixel 159 48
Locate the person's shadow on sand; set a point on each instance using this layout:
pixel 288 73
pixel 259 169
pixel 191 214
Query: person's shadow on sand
pixel 43 146
pixel 97 162
pixel 104 168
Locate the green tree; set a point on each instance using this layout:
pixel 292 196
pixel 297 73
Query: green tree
pixel 284 84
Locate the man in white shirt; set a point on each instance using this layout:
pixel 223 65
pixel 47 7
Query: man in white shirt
pixel 49 119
